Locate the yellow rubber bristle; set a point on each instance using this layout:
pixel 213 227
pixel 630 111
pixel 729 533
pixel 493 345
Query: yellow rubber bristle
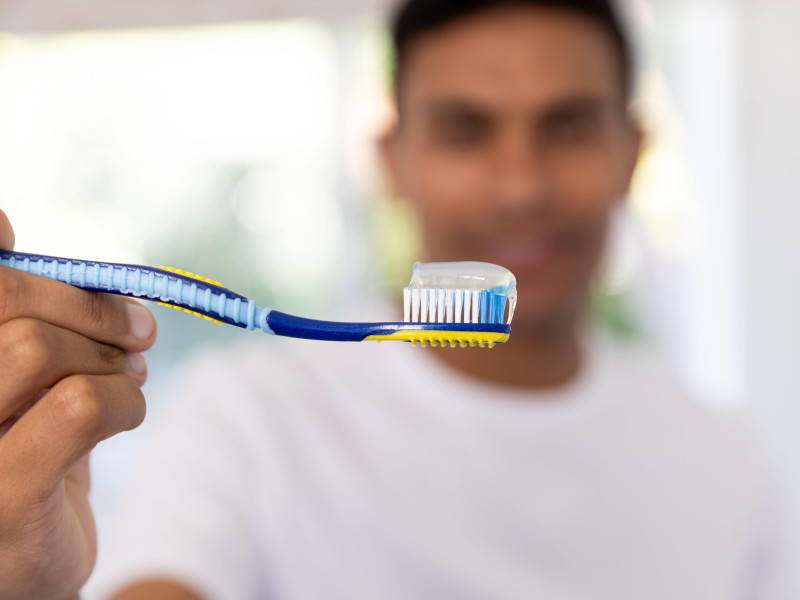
pixel 198 278
pixel 191 312
pixel 445 338
pixel 191 276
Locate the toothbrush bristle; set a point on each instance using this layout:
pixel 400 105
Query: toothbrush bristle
pixel 459 303
pixel 449 302
pixel 453 306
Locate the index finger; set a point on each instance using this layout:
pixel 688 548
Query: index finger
pixel 102 317
pixel 6 232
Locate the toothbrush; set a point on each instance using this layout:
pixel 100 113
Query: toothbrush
pixel 457 303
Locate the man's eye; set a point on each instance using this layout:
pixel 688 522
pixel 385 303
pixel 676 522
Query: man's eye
pixel 462 134
pixel 570 130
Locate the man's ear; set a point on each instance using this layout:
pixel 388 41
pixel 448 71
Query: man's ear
pixel 634 152
pixel 387 145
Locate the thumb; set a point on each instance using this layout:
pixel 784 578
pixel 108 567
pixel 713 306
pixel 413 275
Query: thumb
pixel 6 233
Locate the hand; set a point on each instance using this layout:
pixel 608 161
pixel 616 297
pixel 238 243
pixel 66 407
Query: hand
pixel 70 372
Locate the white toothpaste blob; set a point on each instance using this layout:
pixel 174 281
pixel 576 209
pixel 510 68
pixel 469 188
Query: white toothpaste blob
pixel 467 275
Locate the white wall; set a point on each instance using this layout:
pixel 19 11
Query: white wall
pixel 49 15
pixel 697 44
pixel 771 133
pixel 731 66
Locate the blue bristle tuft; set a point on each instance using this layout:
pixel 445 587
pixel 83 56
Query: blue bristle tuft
pixel 484 302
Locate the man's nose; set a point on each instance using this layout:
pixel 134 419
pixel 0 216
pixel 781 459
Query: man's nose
pixel 521 177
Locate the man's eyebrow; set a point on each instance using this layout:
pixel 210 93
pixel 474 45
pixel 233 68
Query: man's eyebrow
pixel 463 108
pixel 448 108
pixel 578 105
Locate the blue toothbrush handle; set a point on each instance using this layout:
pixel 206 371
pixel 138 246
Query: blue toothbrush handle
pixel 175 288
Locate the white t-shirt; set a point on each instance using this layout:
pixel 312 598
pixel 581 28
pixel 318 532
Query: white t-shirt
pixel 307 470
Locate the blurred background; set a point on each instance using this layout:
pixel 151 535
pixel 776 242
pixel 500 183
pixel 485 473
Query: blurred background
pixel 236 139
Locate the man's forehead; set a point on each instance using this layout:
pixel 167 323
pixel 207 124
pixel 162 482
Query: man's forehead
pixel 523 56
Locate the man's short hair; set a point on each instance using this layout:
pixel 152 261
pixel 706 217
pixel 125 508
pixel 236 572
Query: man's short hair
pixel 414 18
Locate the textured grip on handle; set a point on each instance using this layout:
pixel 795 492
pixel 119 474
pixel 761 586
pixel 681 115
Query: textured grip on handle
pixel 161 285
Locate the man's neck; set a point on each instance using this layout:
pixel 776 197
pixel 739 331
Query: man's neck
pixel 534 358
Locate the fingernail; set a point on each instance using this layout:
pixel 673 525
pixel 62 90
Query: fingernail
pixel 142 322
pixel 137 363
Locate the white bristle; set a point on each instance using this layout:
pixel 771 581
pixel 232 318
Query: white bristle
pixel 448 301
pixel 432 297
pixel 448 306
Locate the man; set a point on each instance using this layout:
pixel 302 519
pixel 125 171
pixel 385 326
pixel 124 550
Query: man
pixel 552 467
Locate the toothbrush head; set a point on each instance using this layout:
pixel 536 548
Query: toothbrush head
pixel 458 303
pixel 459 292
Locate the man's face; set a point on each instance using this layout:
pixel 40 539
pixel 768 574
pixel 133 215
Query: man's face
pixel 513 147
